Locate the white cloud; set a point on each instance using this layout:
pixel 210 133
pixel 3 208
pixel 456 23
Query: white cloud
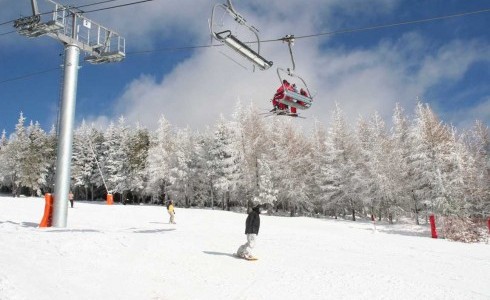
pixel 207 84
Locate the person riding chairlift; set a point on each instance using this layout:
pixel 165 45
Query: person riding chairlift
pixel 301 92
pixel 280 94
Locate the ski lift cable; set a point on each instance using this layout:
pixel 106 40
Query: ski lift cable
pixel 75 7
pixel 29 75
pixel 341 31
pixel 9 32
pixel 335 32
pixel 117 6
pixel 351 30
pixel 89 11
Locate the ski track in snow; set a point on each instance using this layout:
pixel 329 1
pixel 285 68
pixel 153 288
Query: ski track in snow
pixel 131 252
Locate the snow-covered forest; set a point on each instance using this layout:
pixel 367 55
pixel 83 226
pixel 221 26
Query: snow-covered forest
pixel 416 165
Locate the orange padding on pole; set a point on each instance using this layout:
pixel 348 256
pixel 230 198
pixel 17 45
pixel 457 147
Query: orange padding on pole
pixel 110 200
pixel 48 211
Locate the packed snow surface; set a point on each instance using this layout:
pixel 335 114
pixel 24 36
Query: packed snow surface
pixel 131 252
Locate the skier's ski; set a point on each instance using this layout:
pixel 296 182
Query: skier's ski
pixel 281 113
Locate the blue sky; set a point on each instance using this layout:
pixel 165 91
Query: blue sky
pixel 445 63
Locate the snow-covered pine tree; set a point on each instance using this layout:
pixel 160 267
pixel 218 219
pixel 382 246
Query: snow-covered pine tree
pixel 180 174
pixel 300 165
pixel 277 157
pixel 224 163
pixel 319 166
pixel 266 194
pixel 84 159
pixel 341 158
pixel 199 179
pixel 290 161
pixel 16 154
pixel 430 140
pixel 138 145
pixel 402 173
pixel 3 158
pixel 381 167
pixel 36 162
pixel 51 160
pixel 365 181
pixel 478 176
pixel 159 158
pixel 459 165
pixel 116 158
pixel 251 143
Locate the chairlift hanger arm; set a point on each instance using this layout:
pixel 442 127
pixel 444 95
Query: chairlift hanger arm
pixel 35 10
pixel 290 40
pixel 230 6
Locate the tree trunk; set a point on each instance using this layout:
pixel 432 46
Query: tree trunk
pixel 212 197
pixel 228 201
pixel 292 209
pixel 353 210
pixel 186 196
pixel 123 196
pixel 416 208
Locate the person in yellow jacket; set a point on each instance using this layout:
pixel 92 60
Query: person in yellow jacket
pixel 171 211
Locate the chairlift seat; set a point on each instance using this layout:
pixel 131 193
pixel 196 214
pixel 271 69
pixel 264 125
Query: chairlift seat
pixel 294 99
pixel 230 40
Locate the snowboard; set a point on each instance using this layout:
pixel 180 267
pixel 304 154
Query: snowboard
pixel 251 259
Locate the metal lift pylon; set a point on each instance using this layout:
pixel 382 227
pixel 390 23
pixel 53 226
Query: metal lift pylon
pixel 101 45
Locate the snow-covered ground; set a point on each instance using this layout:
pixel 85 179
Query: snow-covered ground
pixel 131 252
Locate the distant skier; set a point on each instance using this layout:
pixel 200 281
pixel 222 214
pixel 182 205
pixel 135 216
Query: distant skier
pixel 171 212
pixel 252 225
pixel 70 197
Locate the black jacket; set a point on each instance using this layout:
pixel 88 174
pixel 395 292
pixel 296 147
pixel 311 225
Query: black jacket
pixel 252 224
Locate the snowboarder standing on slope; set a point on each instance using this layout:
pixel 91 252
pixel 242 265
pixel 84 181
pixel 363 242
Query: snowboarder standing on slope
pixel 171 212
pixel 252 225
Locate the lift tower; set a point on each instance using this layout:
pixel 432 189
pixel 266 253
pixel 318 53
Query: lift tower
pixel 100 45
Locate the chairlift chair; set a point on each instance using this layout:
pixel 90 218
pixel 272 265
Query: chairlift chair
pixel 292 98
pixel 228 38
pixel 289 97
